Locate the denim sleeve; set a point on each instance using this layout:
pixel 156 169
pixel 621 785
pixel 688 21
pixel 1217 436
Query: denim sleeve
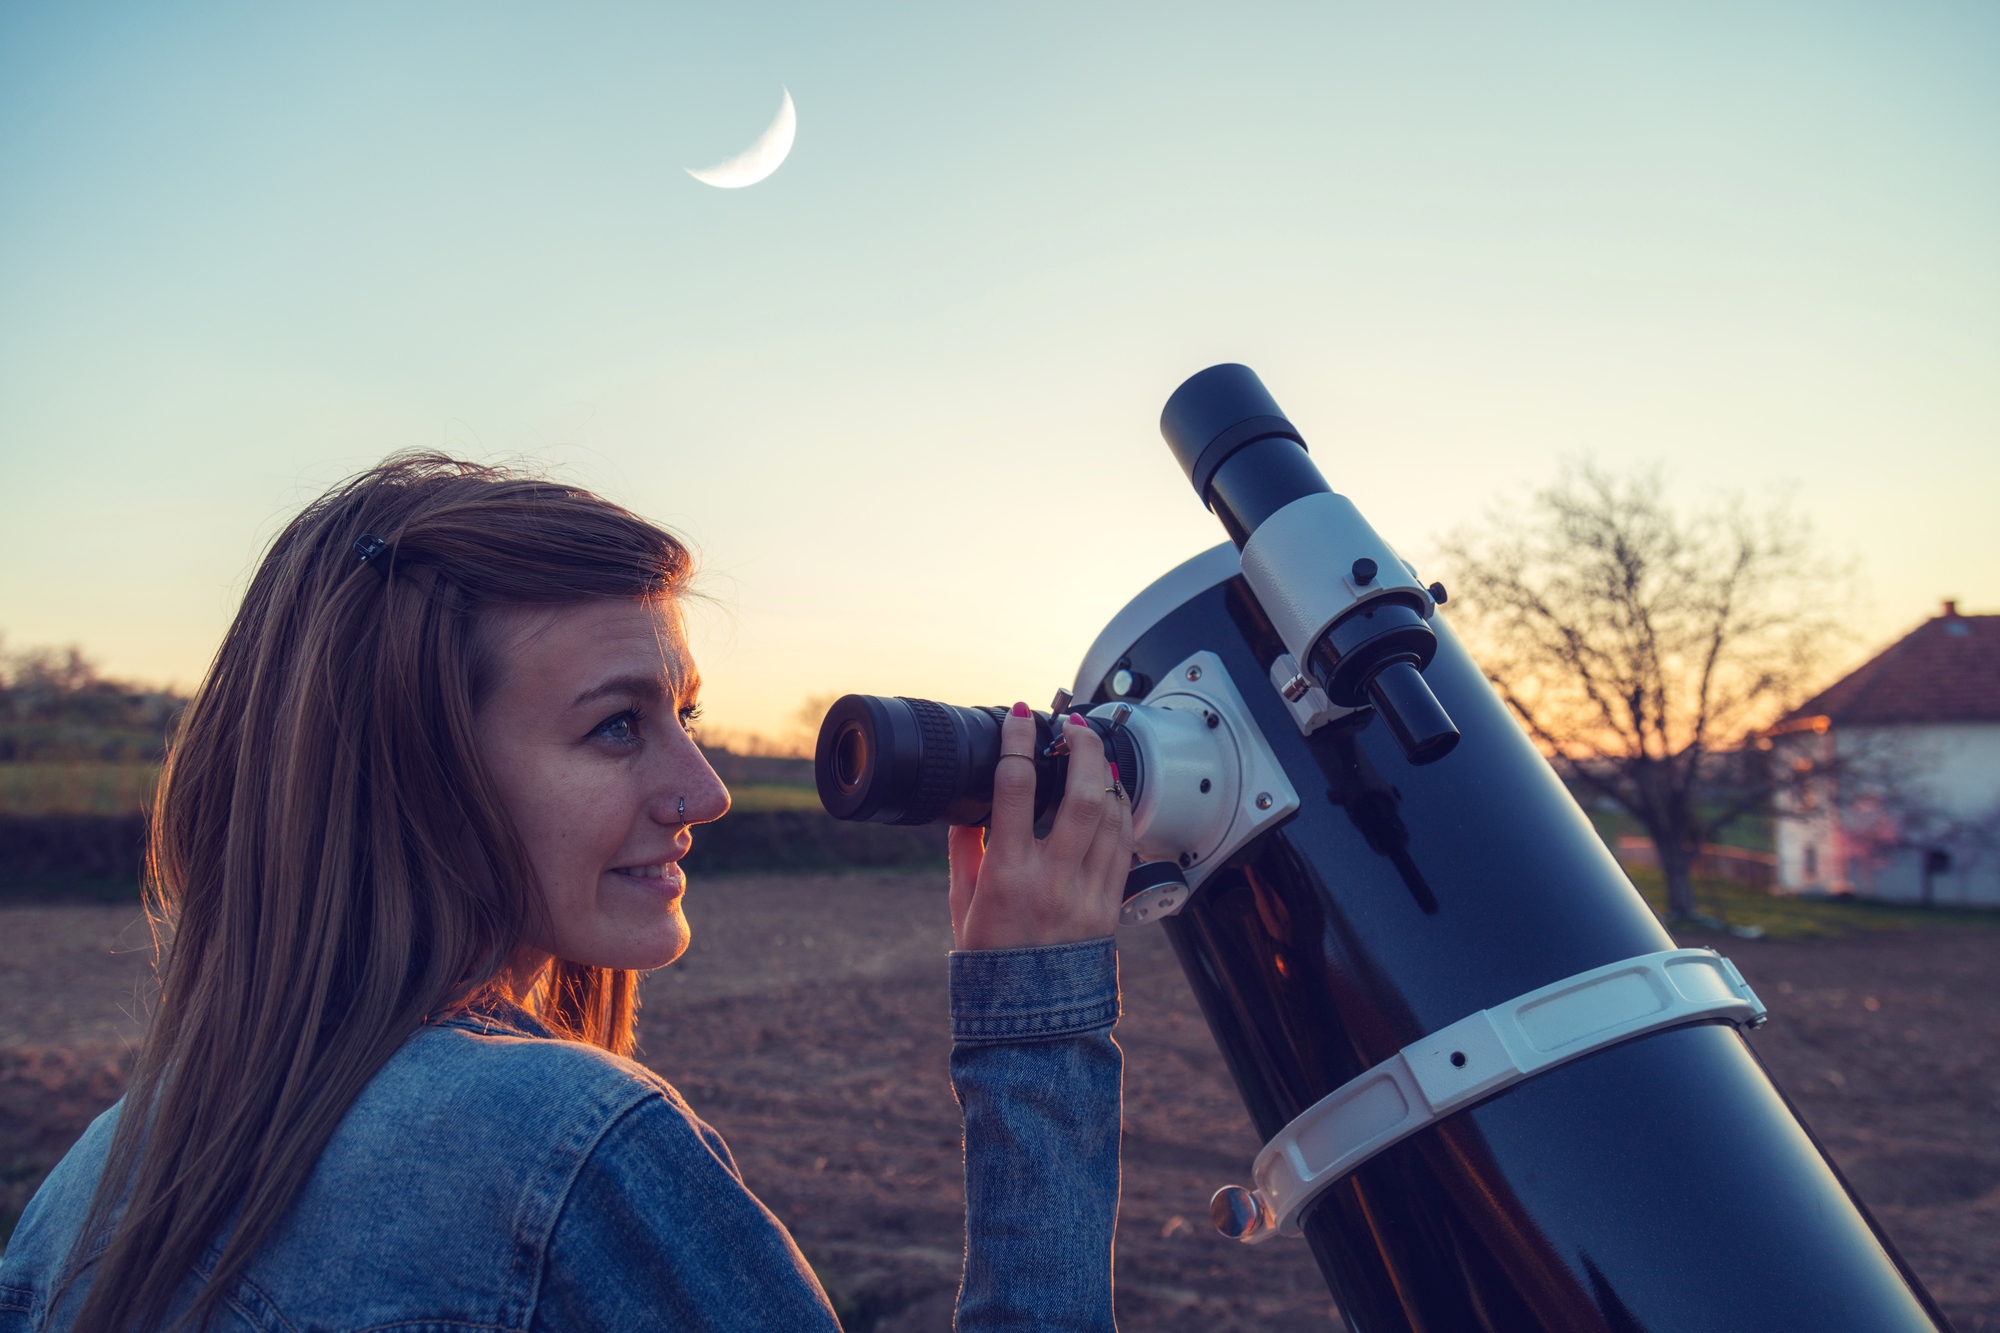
pixel 658 1231
pixel 1038 1076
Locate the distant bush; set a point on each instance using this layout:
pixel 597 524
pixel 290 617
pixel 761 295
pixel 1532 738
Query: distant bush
pixel 44 852
pixel 56 707
pixel 52 847
pixel 77 788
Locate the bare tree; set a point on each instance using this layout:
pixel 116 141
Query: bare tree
pixel 1644 645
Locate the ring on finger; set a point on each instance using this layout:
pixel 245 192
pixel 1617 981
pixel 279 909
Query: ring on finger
pixel 1016 754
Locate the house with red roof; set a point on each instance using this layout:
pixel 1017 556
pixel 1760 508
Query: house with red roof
pixel 1899 766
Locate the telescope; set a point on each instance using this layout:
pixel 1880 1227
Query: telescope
pixel 1493 1093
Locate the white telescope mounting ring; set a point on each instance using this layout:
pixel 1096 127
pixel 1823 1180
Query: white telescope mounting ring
pixel 1469 1061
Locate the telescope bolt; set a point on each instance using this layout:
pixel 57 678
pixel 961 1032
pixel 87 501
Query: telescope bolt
pixel 1060 704
pixel 1437 592
pixel 1364 571
pixel 1241 1214
pixel 1304 699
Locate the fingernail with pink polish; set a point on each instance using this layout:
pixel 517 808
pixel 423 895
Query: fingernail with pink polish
pixel 1020 710
pixel 1076 720
pixel 1114 770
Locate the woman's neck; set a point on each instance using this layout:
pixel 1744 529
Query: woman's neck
pixel 524 975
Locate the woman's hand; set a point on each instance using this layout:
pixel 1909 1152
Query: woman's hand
pixel 1010 890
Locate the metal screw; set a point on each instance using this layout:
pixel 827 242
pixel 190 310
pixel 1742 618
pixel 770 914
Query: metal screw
pixel 1204 785
pixel 1363 571
pixel 1194 673
pixel 1061 702
pixel 1187 859
pixel 1263 800
pixel 1121 714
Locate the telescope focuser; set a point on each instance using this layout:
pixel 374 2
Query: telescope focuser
pixel 1347 607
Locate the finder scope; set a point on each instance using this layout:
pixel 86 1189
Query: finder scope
pixel 1352 613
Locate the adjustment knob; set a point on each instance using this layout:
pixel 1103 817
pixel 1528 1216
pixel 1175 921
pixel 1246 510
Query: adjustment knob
pixel 1240 1214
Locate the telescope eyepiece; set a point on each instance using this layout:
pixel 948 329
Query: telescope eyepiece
pixel 1414 716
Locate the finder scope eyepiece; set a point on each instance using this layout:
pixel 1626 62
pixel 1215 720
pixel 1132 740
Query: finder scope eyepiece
pixel 1345 604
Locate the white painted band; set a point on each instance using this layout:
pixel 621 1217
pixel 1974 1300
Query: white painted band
pixel 1483 1054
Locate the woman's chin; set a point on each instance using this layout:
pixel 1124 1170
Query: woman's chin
pixel 626 942
pixel 679 943
pixel 664 942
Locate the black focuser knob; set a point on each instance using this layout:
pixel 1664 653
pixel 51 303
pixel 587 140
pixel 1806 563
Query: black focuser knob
pixel 1154 875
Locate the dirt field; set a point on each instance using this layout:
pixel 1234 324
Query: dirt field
pixel 807 1024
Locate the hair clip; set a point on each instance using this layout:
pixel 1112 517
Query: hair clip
pixel 368 546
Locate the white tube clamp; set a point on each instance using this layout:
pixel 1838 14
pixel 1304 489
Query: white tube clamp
pixel 1300 563
pixel 1469 1061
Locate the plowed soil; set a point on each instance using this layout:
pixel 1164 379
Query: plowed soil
pixel 807 1024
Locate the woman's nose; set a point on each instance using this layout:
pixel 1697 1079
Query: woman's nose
pixel 690 792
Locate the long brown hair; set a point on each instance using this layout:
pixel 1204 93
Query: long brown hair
pixel 330 861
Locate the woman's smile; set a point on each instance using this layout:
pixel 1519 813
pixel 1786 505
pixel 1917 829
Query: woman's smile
pixel 660 877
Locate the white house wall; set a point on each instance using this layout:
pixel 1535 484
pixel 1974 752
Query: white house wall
pixel 1954 769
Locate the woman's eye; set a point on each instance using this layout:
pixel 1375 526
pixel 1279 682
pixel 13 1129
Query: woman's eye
pixel 620 730
pixel 689 716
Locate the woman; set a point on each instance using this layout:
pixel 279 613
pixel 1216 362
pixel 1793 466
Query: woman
pixel 418 835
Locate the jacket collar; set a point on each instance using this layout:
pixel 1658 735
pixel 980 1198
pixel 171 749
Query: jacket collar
pixel 492 1015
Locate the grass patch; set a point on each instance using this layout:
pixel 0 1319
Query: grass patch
pixel 124 789
pixel 1789 918
pixel 82 788
pixel 759 797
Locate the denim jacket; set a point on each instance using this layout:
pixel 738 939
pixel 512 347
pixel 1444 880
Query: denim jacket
pixel 491 1177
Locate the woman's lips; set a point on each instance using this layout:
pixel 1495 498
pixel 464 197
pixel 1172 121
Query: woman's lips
pixel 664 876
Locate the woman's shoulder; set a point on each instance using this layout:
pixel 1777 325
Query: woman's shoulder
pixel 54 1217
pixel 475 1066
pixel 475 1096
pixel 459 1158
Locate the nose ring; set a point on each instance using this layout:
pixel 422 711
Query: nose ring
pixel 682 809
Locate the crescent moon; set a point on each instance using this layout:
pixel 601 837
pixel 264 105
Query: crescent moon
pixel 760 159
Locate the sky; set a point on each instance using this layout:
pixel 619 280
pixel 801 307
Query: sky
pixel 903 395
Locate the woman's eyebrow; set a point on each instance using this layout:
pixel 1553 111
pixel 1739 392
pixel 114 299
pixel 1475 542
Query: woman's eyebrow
pixel 640 687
